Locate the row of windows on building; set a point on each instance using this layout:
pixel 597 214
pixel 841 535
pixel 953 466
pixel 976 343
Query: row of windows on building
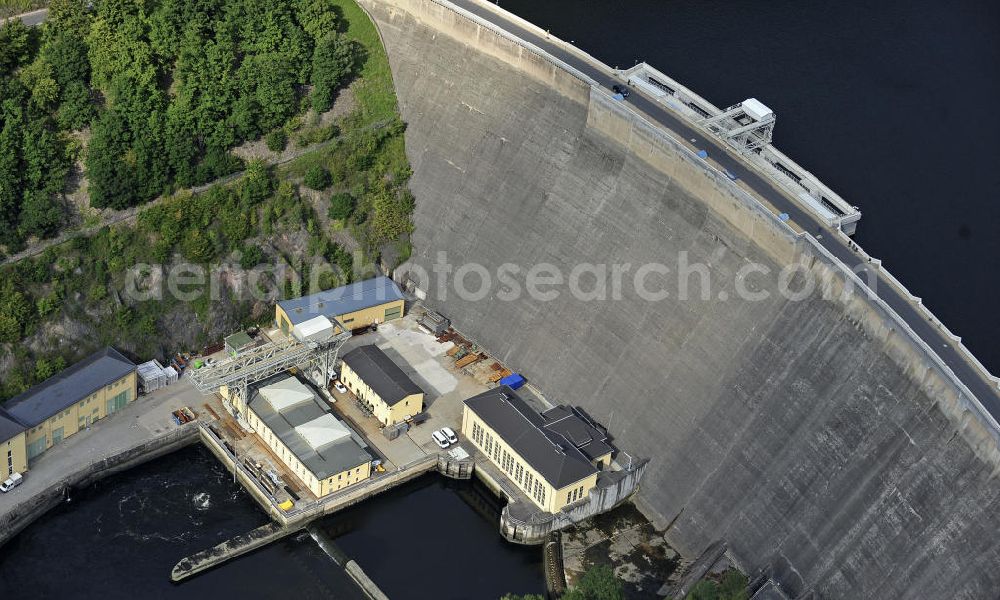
pixel 340 476
pixel 290 458
pixel 575 495
pixel 509 463
pixel 82 419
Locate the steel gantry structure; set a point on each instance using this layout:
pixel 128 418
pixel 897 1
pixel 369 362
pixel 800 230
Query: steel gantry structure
pixel 747 126
pixel 237 373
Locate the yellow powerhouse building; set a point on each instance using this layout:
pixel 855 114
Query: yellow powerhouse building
pixel 355 306
pixel 379 383
pixel 14 448
pixel 298 427
pixel 45 415
pixel 553 457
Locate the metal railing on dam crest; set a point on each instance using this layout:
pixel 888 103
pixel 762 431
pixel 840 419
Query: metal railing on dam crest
pixel 802 243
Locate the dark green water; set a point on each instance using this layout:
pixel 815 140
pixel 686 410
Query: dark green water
pixel 121 537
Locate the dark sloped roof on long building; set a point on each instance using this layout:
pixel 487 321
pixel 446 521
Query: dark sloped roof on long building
pixel 342 300
pixel 377 370
pixel 555 458
pixel 69 386
pixel 9 427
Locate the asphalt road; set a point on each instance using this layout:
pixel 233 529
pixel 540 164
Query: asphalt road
pixel 984 390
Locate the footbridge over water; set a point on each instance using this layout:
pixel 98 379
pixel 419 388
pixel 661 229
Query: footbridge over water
pixel 846 442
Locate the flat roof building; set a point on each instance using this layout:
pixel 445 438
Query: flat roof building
pixel 356 305
pixel 299 428
pixel 237 342
pixel 554 456
pixel 97 386
pixel 381 384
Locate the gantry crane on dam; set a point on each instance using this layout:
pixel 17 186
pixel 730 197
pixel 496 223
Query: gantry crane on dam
pixel 312 347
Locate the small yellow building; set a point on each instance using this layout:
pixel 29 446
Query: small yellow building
pixel 298 427
pixel 355 306
pixel 90 390
pixel 553 457
pixel 378 382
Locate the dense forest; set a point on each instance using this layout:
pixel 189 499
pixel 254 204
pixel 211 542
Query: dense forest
pixel 151 97
pixel 164 89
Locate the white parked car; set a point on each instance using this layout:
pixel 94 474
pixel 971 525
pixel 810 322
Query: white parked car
pixel 440 439
pixel 11 482
pixel 449 435
pixel 340 387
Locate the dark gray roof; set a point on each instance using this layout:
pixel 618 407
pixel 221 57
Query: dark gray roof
pixel 9 427
pixel 69 386
pixel 330 459
pixel 381 374
pixel 579 430
pixel 547 451
pixel 342 300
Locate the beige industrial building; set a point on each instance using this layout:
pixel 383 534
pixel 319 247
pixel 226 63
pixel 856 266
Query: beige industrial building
pixel 299 428
pixel 357 305
pixel 46 414
pixel 554 457
pixel 381 385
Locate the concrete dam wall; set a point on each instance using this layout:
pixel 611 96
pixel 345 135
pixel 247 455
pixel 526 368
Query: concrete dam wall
pixel 814 436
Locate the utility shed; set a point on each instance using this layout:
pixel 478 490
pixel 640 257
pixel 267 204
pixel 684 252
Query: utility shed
pixel 434 322
pixel 152 376
pixel 238 342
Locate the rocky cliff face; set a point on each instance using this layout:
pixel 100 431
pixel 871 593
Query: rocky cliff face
pixel 805 433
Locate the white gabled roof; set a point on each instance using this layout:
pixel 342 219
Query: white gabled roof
pixel 285 394
pixel 323 431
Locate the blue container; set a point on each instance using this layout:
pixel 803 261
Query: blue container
pixel 513 381
pixel 702 154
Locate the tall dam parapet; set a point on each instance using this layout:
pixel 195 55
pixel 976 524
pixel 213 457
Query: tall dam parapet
pixel 816 436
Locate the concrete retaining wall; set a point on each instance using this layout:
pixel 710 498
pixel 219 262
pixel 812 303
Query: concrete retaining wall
pixel 816 437
pixel 28 511
pixel 600 499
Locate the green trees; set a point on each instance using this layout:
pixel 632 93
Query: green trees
pixel 166 87
pixel 332 61
pixel 731 587
pixel 597 583
pixel 317 17
pixel 390 218
pixel 15 311
pixel 276 140
pixel 317 178
pixel 46 368
pixel 341 206
pixel 33 157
